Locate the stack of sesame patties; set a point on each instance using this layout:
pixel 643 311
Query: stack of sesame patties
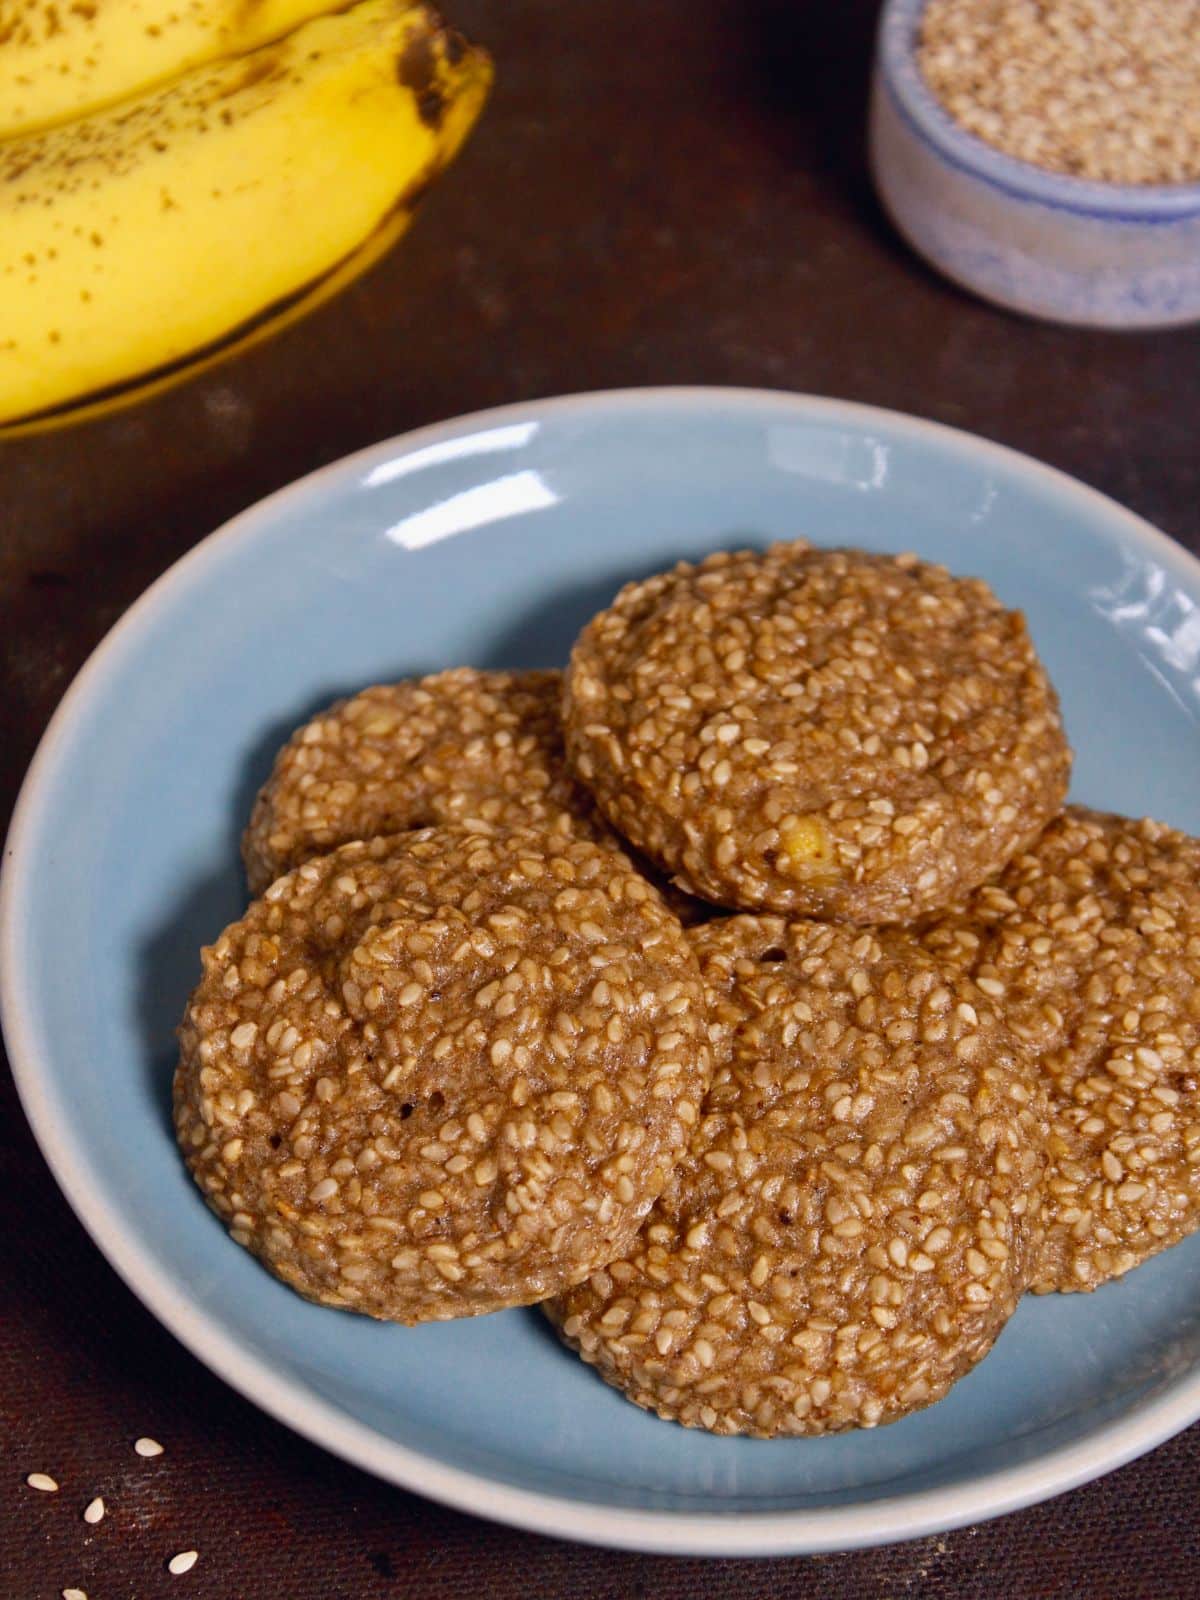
pixel 491 1036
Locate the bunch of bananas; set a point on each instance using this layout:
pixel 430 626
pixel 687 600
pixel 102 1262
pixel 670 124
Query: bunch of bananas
pixel 179 178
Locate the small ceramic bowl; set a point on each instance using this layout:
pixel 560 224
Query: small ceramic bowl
pixel 1106 255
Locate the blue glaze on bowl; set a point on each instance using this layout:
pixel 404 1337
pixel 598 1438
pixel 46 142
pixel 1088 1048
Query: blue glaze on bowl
pixel 1108 255
pixel 490 540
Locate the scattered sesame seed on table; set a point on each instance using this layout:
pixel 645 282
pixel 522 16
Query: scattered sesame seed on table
pixel 741 246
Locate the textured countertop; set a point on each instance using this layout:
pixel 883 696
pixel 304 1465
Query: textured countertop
pixel 672 192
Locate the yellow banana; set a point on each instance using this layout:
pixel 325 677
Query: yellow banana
pixel 63 58
pixel 145 240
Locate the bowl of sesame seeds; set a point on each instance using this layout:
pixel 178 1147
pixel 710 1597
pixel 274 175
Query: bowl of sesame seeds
pixel 1047 156
pixel 491 541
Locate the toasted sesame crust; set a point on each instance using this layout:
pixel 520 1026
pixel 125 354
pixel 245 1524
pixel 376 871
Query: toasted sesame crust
pixel 461 744
pixel 445 1072
pixel 856 1216
pixel 826 733
pixel 1091 942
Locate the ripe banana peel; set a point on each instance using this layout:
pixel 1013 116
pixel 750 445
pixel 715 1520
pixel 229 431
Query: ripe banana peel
pixel 64 58
pixel 159 235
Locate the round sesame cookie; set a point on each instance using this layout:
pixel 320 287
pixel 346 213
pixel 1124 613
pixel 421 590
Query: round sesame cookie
pixel 444 1072
pixel 1091 942
pixel 461 744
pixel 827 733
pixel 856 1216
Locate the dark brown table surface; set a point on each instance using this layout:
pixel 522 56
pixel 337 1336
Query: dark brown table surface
pixel 667 192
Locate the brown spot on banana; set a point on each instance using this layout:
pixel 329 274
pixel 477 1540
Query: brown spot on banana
pixel 260 68
pixel 417 69
pixel 279 314
pixel 93 187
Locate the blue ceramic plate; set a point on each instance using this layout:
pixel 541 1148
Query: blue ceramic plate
pixel 490 541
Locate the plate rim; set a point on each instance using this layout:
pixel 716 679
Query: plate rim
pixel 884 1520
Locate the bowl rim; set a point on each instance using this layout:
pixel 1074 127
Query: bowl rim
pixel 880 1521
pixel 927 117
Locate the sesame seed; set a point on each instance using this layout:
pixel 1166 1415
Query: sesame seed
pixel 780 1207
pixel 478 1077
pixel 42 1481
pixel 458 744
pixel 1094 932
pixel 807 630
pixel 147 1447
pixel 1101 89
pixel 93 1512
pixel 183 1562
